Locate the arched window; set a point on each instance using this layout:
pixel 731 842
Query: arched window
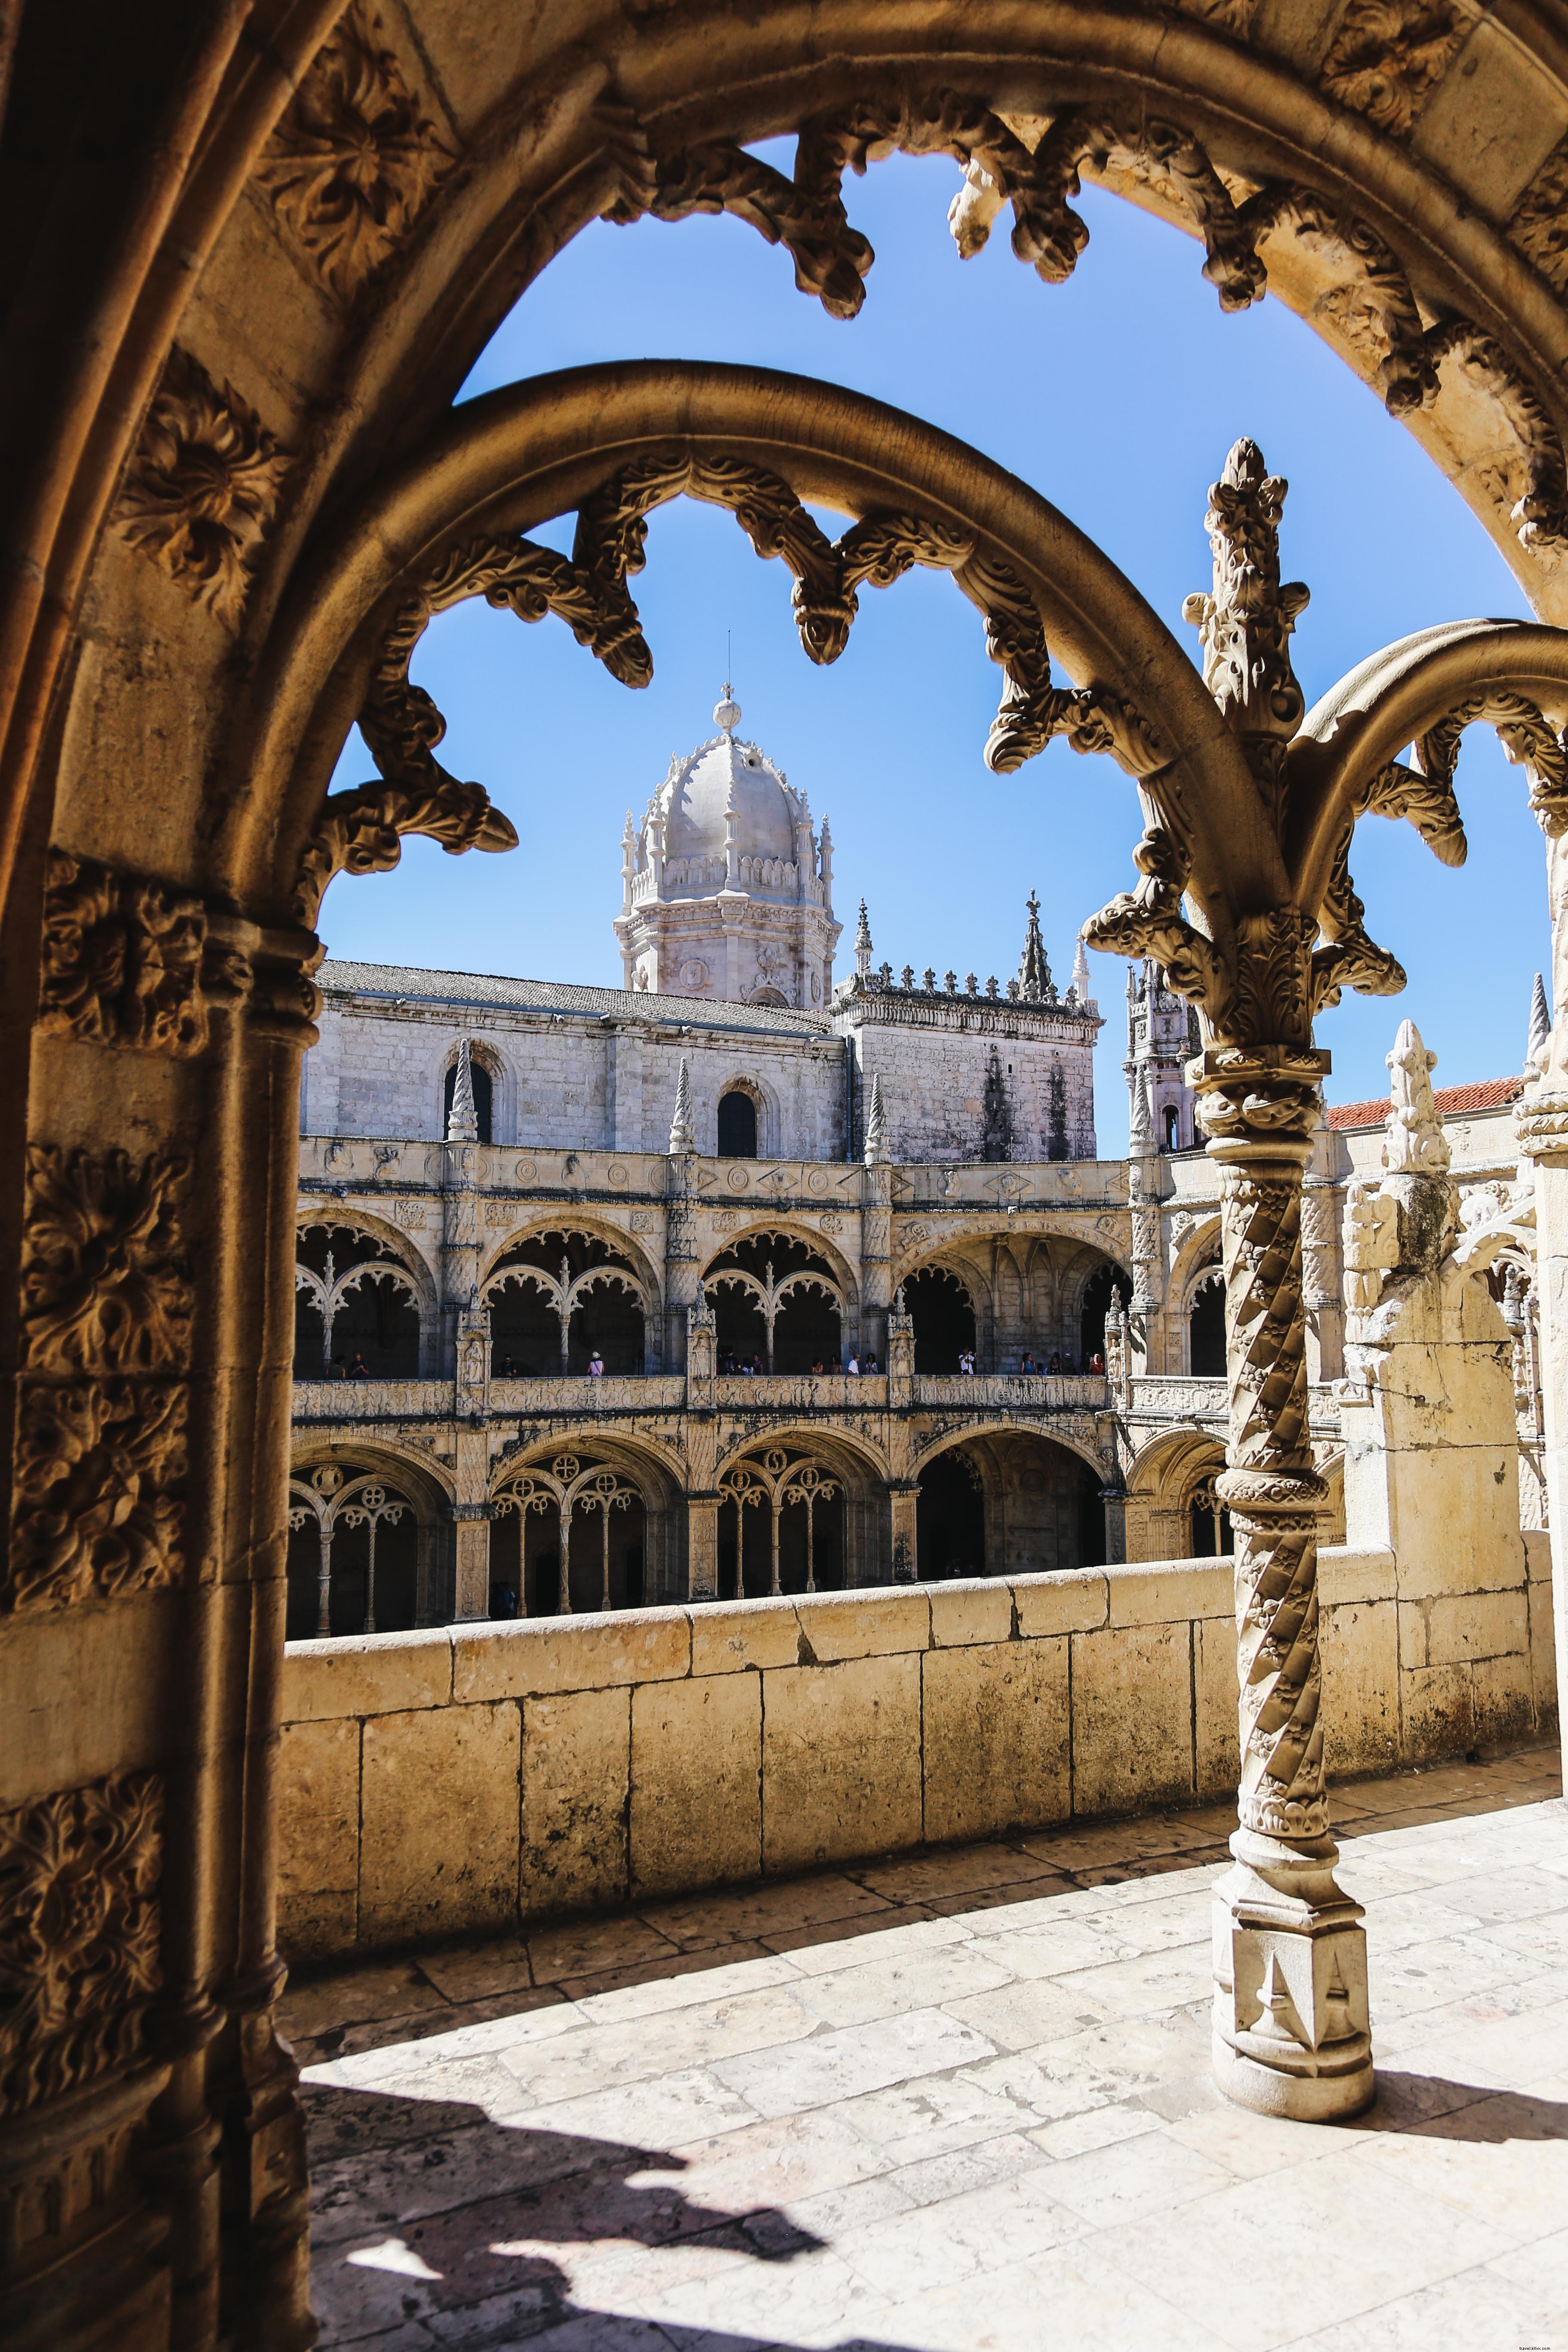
pixel 943 1317
pixel 483 1096
pixel 737 1126
pixel 1205 1329
pixel 1108 1282
pixel 1211 1534
pixel 1172 1123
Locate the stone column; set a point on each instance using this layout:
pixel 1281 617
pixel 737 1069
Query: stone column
pixel 460 1240
pixel 1291 2030
pixel 876 1258
pixel 1321 1260
pixel 904 1541
pixel 471 1559
pixel 701 1353
pixel 1542 1124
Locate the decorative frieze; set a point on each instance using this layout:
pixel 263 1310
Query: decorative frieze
pixel 203 486
pixel 79 1935
pixel 106 1283
pixel 355 159
pixel 1539 223
pixel 98 1471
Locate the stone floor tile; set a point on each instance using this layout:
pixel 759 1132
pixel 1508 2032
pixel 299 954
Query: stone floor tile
pixel 1119 1842
pixel 710 1976
pixel 842 2063
pixel 1123 2185
pixel 1480 2310
pixel 914 2123
pixel 1011 1898
pixel 1074 2298
pixel 1097 2068
pixel 1144 1878
pixel 1504 2158
pixel 1344 2252
pixel 888 1937
pixel 472 1971
pixel 599 2056
pixel 936 2177
pixel 1250 2147
pixel 657 2115
pixel 751 1912
pixel 1149 1986
pixel 599 1983
pixel 1022 2014
pixel 962 2237
pixel 1095 2128
pixel 919 1979
pixel 1054 1948
pixel 1425 1976
pixel 782 2162
pixel 954 1870
pixel 578 1948
pixel 784 2303
pixel 312 2007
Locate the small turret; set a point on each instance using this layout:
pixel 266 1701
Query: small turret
pixel 1540 1028
pixel 876 1152
pixel 682 1134
pixel 462 1120
pixel 863 945
pixel 1035 985
pixel 1080 980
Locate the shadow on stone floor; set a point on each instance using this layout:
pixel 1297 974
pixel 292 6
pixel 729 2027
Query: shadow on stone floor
pixel 427 2209
pixel 1469 2111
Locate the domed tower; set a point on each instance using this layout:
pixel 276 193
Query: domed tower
pixel 727 892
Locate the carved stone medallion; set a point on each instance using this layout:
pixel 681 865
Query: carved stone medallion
pixel 203 486
pixel 121 960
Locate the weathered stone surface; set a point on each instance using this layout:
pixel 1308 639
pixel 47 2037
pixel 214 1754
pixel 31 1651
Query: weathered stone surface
pixel 841 1760
pixel 696 1782
pixel 1217 1744
pixel 376 1674
pixel 545 1654
pixel 1458 1629
pixel 438 1823
pixel 996 1739
pixel 747 1635
pixel 977 1611
pixel 865 1624
pixel 1049 1605
pixel 1360 1685
pixel 577 1766
pixel 1155 1597
pixel 318 1837
pixel 1132 1718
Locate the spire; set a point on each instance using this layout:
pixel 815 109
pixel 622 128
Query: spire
pixel 1035 985
pixel 1080 980
pixel 1140 1134
pixel 462 1120
pixel 682 1134
pixel 876 1152
pixel 1539 1027
pixel 863 945
pixel 1413 1142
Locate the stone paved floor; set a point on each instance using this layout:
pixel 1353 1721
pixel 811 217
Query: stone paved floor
pixel 961 2101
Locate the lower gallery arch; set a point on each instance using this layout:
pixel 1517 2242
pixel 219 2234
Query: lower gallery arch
pixel 1011 1502
pixel 582 1526
pixel 365 1543
pixel 812 1503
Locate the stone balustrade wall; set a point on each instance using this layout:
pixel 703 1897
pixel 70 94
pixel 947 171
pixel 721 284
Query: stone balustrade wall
pixel 476 1776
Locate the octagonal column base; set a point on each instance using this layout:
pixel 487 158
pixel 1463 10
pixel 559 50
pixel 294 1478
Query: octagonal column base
pixel 1291 2026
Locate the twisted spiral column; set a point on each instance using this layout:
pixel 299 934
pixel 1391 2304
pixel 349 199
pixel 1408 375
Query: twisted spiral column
pixel 1290 2016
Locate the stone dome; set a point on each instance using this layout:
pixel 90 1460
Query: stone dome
pixel 720 775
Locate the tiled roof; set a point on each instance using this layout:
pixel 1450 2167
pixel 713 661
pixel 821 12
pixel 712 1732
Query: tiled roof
pixel 395 981
pixel 1487 1094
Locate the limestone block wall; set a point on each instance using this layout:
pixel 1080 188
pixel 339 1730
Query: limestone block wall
pixel 932 1055
pixel 476 1776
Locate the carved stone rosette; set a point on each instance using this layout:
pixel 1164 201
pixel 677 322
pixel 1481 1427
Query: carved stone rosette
pixel 1290 2028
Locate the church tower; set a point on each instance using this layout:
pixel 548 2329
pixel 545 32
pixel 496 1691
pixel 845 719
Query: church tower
pixel 1162 1036
pixel 726 890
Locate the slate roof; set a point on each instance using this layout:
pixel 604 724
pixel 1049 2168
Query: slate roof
pixel 1485 1094
pixel 406 981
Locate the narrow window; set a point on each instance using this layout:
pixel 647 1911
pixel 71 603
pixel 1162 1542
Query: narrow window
pixel 481 1078
pixel 737 1126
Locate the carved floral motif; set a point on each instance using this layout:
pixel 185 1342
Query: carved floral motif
pixel 1539 223
pixel 106 1285
pixel 354 160
pixel 79 1935
pixel 122 959
pixel 97 1492
pixel 203 486
pixel 1388 55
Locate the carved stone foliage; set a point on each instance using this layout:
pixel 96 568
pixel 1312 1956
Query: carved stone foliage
pixel 354 160
pixel 79 1935
pixel 99 1450
pixel 589 592
pixel 106 1285
pixel 122 959
pixel 1539 223
pixel 203 486
pixel 1387 56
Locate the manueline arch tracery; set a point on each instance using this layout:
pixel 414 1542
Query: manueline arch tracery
pixel 1336 161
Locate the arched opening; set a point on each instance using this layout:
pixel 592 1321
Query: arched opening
pixel 355 1312
pixel 1171 1124
pixel 1107 1283
pixel 944 1316
pixel 780 1525
pixel 347 1520
pixel 737 1126
pixel 950 1516
pixel 484 1098
pixel 1209 1519
pixel 776 1306
pixel 559 1298
pixel 606 1520
pixel 1206 1328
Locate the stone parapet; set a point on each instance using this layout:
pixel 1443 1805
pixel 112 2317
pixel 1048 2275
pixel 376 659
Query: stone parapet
pixel 479 1776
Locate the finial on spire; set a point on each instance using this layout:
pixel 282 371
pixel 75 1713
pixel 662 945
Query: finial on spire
pixel 863 945
pixel 1035 983
pixel 876 1152
pixel 1540 1027
pixel 462 1120
pixel 1246 622
pixel 1413 1143
pixel 1080 980
pixel 727 711
pixel 682 1134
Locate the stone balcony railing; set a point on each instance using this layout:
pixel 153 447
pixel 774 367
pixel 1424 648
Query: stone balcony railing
pixel 614 1393
pixel 379 1400
pixel 1014 1392
pixel 372 1401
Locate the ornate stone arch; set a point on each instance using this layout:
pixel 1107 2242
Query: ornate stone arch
pixel 567 1216
pixel 796 1230
pixel 408 1253
pixel 1070 1439
pixel 1159 1483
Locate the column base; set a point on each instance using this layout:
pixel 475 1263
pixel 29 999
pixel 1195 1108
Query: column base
pixel 1291 2026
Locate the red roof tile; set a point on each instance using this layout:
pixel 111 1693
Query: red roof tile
pixel 1487 1094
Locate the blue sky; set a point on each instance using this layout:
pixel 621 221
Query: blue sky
pixel 1116 396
